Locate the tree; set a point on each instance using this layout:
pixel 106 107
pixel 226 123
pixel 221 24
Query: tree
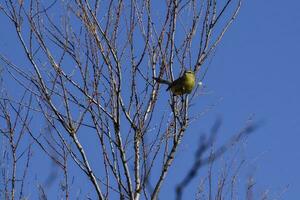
pixel 89 73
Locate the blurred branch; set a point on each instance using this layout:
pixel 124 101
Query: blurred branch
pixel 200 160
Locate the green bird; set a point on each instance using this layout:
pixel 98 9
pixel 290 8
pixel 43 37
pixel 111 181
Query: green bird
pixel 183 85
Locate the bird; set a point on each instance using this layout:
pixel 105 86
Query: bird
pixel 183 85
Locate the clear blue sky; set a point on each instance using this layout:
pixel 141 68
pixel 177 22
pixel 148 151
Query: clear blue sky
pixel 256 71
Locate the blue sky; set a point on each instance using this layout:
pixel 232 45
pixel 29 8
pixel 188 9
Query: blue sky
pixel 255 71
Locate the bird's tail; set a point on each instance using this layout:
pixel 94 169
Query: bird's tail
pixel 159 80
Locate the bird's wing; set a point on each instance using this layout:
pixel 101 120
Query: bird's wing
pixel 176 82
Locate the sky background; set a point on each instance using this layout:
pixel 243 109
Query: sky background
pixel 256 72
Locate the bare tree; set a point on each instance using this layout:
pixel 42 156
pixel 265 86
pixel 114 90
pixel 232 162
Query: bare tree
pixel 90 68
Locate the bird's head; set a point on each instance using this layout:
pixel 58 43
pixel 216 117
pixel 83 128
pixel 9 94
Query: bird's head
pixel 189 73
